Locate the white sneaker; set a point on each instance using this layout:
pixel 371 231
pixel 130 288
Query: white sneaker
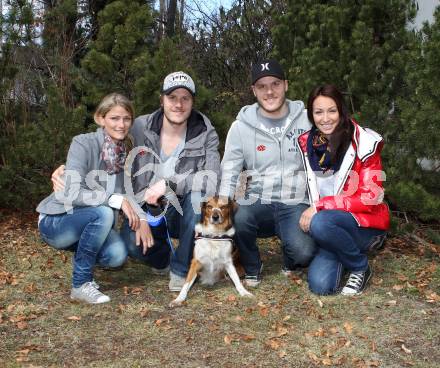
pixel 89 294
pixel 176 282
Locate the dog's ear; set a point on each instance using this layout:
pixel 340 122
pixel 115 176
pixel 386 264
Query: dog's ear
pixel 202 211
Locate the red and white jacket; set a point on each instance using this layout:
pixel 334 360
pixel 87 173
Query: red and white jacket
pixel 358 183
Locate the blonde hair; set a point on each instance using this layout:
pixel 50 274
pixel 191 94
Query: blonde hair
pixel 110 101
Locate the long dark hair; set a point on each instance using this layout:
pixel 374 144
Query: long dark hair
pixel 340 139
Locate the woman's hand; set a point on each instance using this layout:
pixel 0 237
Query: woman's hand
pixel 57 179
pixel 133 218
pixel 153 193
pixel 144 237
pixel 306 219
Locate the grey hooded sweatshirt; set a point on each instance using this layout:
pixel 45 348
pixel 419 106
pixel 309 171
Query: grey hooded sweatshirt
pixel 273 168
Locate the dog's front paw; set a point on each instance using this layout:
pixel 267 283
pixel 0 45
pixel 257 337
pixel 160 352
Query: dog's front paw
pixel 246 294
pixel 176 303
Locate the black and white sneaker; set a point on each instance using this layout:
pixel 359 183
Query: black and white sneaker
pixel 253 280
pixel 356 283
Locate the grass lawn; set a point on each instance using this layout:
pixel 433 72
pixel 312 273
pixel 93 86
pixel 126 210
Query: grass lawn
pixel 395 323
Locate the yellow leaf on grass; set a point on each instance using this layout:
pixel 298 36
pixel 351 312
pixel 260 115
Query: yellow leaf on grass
pixel 281 331
pixel 348 327
pixel 327 362
pixel 74 318
pixel 227 339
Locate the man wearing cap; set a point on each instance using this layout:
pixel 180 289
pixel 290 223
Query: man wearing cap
pixel 181 142
pixel 261 147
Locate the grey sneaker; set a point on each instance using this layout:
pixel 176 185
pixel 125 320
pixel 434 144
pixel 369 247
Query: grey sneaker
pixel 176 282
pixel 160 271
pixel 89 294
pixel 253 280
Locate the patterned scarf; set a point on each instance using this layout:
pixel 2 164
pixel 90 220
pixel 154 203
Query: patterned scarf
pixel 319 155
pixel 113 154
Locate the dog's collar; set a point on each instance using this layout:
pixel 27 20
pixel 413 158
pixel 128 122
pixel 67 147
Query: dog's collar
pixel 223 237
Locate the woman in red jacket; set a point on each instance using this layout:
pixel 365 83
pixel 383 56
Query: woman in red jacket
pixel 347 216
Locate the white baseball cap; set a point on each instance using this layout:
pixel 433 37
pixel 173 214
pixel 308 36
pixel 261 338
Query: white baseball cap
pixel 178 80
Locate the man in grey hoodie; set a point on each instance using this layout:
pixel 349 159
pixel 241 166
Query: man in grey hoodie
pixel 176 146
pixel 261 150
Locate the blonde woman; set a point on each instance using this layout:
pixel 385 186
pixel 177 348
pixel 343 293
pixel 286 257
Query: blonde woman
pixel 82 216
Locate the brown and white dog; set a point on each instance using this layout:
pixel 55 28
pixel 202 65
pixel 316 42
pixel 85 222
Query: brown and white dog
pixel 213 248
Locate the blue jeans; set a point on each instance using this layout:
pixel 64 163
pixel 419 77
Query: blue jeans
pixel 265 220
pixel 88 232
pixel 342 245
pixel 180 227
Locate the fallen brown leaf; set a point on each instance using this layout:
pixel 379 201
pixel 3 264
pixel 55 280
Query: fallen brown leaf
pixel 274 344
pixel 282 354
pixel 21 325
pixel 313 357
pixel 281 331
pixel 30 288
pixel 144 312
pixel 247 338
pixel 264 312
pixel 136 290
pixel 373 363
pixel 161 321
